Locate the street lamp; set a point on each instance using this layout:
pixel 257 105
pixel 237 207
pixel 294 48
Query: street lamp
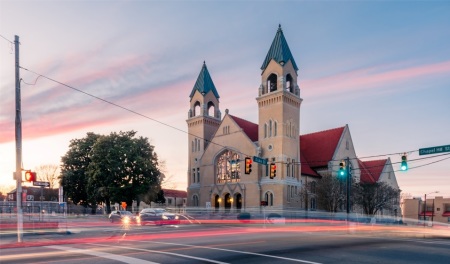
pixel 425 209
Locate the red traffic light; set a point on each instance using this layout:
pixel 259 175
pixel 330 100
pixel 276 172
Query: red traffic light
pixel 30 176
pixel 273 170
pixel 248 165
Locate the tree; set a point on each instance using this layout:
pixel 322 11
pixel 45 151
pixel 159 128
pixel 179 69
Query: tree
pixel 330 193
pixel 48 173
pixel 122 168
pixel 375 196
pixel 74 170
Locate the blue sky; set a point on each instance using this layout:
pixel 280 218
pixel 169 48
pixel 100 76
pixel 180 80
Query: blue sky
pixel 381 67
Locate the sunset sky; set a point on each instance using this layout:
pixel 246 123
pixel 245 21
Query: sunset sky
pixel 382 67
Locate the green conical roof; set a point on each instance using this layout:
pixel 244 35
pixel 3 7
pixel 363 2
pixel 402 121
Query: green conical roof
pixel 279 51
pixel 204 83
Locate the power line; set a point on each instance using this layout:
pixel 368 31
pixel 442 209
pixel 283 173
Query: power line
pixel 183 131
pixel 6 39
pixel 122 107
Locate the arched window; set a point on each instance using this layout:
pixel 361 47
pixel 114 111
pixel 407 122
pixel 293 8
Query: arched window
pixel 228 167
pixel 275 129
pixel 269 198
pixel 289 83
pixel 197 108
pixel 211 109
pixel 313 203
pixel 270 128
pixel 195 200
pixel 265 130
pixel 294 166
pixel 272 82
pixel 193 149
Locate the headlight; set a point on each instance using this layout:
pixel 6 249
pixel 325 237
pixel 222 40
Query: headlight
pixel 176 217
pixel 164 217
pixel 126 220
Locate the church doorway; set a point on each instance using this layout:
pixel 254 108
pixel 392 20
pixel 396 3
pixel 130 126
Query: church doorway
pixel 238 199
pixel 228 202
pixel 217 202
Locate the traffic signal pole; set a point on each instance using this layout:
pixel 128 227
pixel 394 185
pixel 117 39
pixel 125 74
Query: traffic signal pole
pixel 18 174
pixel 348 186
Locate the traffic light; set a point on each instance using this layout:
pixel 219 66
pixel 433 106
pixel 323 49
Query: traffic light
pixel 248 165
pixel 342 169
pixel 404 164
pixel 273 170
pixel 30 176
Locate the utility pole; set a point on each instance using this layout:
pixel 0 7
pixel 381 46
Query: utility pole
pixel 348 186
pixel 18 174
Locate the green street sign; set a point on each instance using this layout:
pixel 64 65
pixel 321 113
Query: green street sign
pixel 434 150
pixel 260 160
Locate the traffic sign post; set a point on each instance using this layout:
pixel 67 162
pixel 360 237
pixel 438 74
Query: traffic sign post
pixel 41 183
pixel 434 150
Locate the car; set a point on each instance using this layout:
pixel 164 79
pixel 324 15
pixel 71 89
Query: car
pixel 157 216
pixel 124 217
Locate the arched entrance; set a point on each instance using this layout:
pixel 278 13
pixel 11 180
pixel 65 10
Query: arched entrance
pixel 238 199
pixel 228 202
pixel 217 202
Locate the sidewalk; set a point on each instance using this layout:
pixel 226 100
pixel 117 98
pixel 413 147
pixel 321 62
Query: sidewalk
pixel 35 228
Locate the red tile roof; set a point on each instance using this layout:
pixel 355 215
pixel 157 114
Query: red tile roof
pixel 250 129
pixel 306 170
pixel 371 170
pixel 174 193
pixel 318 148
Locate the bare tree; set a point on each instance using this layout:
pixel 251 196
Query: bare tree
pixel 48 173
pixel 375 196
pixel 330 193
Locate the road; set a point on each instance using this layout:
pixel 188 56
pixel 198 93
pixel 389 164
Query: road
pixel 229 243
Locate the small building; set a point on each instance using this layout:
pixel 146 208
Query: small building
pixel 418 211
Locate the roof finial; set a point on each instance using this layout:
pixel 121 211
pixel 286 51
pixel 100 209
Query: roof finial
pixel 279 28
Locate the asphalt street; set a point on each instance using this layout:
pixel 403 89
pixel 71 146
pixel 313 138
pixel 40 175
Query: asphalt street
pixel 227 243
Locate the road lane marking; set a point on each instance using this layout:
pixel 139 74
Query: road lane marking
pixel 161 252
pixel 234 251
pixel 120 258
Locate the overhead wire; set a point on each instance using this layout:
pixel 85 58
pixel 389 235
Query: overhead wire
pixel 206 140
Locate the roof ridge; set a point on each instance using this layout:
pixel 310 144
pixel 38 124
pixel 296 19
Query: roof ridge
pixel 327 130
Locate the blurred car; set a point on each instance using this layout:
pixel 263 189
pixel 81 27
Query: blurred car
pixel 124 217
pixel 157 216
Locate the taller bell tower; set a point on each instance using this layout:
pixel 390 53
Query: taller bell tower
pixel 204 119
pixel 279 109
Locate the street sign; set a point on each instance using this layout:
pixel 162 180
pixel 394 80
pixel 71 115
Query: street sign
pixel 260 160
pixel 41 183
pixel 434 150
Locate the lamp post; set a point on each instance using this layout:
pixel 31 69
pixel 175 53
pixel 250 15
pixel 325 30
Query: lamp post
pixel 425 208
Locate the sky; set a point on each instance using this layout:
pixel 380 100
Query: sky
pixel 382 67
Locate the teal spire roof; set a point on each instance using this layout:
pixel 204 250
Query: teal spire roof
pixel 204 83
pixel 279 51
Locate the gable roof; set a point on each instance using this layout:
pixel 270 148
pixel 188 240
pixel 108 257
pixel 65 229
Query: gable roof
pixel 250 129
pixel 306 169
pixel 204 83
pixel 279 51
pixel 318 148
pixel 371 170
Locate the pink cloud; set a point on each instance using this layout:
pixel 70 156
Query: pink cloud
pixel 370 77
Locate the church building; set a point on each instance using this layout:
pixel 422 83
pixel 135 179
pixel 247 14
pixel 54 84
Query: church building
pixel 219 147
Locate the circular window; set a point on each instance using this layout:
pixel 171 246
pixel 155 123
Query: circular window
pixel 270 147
